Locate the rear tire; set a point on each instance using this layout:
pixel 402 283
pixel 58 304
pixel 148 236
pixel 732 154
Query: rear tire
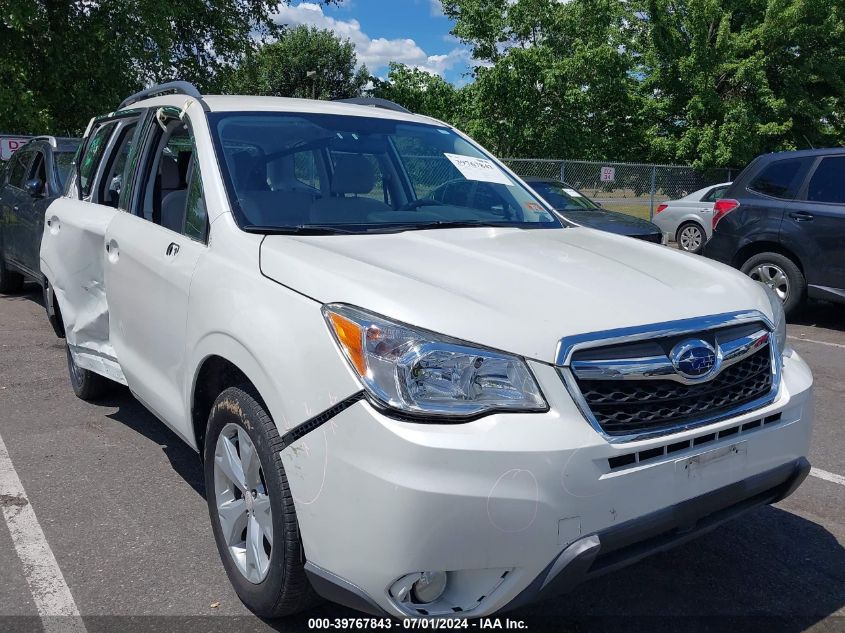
pixel 782 275
pixel 11 282
pixel 691 237
pixel 86 384
pixel 241 439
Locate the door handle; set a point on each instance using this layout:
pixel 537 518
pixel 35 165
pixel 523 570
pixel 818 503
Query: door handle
pixel 172 250
pixel 801 216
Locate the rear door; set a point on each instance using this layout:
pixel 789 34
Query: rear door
pixel 153 249
pixel 13 197
pixel 769 191
pixel 818 217
pixel 73 251
pixel 31 216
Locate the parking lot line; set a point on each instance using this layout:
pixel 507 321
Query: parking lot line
pixel 832 477
pixel 50 592
pixel 809 340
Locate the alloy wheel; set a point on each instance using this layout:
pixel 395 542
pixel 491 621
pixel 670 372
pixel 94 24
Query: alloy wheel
pixel 774 277
pixel 691 238
pixel 243 505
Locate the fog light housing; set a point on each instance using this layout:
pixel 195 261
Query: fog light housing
pixel 429 586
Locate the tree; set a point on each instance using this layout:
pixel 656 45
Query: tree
pixel 554 78
pixel 420 91
pixel 63 61
pixel 726 80
pixel 304 62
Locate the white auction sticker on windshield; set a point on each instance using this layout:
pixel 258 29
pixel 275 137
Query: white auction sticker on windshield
pixel 479 169
pixel 573 193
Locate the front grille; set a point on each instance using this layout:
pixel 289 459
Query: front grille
pixel 649 406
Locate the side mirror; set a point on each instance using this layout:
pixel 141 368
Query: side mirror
pixel 34 187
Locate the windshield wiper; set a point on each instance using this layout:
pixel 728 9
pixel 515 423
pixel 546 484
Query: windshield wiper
pixel 299 229
pixel 437 224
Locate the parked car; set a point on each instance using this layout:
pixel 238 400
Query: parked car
pixel 34 177
pixel 689 220
pixel 579 209
pixel 783 223
pixel 407 405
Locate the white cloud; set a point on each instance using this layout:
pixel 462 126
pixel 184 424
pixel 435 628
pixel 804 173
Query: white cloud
pixel 377 52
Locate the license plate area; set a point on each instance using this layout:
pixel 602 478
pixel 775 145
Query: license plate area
pixel 719 459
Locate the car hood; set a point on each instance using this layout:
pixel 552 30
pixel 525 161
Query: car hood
pixel 611 221
pixel 515 290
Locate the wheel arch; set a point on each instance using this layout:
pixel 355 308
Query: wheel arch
pixel 764 246
pixel 226 363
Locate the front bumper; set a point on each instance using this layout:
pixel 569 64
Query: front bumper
pixel 520 507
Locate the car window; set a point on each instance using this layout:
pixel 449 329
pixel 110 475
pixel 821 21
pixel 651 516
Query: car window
pixel 827 183
pixel 171 186
pixel 360 173
pixel 562 197
pixel 17 168
pixel 62 165
pixel 305 169
pixel 196 217
pixel 38 170
pixel 717 193
pixel 94 149
pixel 779 179
pixel 111 182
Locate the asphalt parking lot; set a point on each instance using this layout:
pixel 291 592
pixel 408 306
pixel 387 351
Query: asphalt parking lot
pixel 120 502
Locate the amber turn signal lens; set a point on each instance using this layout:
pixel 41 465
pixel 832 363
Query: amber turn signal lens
pixel 349 336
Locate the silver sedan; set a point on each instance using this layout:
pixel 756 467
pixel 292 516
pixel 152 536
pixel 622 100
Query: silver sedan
pixel 689 220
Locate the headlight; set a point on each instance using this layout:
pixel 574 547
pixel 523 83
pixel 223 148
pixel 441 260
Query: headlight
pixel 418 372
pixel 778 318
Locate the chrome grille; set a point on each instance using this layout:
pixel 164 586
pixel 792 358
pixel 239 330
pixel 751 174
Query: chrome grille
pixel 625 407
pixel 629 387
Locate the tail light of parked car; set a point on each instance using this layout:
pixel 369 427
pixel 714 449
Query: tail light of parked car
pixel 660 208
pixel 722 208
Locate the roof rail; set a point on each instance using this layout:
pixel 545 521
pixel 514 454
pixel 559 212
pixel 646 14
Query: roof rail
pixel 179 87
pixel 375 102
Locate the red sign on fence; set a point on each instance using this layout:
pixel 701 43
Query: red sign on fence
pixel 10 144
pixel 608 174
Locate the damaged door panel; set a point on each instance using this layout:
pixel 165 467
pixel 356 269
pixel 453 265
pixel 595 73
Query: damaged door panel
pixel 72 256
pixel 74 248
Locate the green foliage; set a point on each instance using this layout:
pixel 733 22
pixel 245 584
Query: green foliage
pixel 282 68
pixel 63 61
pixel 420 92
pixel 554 78
pixel 711 82
pixel 708 82
pixel 727 80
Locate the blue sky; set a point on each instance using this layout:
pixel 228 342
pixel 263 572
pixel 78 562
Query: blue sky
pixel 414 32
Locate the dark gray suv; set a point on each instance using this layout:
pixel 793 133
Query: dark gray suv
pixel 783 223
pixel 34 176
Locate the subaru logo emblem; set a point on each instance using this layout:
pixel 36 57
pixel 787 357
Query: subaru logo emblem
pixel 694 359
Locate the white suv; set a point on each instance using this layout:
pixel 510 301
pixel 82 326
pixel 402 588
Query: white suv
pixel 414 405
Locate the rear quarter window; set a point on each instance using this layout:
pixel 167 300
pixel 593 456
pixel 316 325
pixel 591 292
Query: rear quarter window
pixel 780 179
pixel 827 183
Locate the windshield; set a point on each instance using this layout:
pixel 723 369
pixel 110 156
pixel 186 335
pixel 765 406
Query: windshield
pixel 330 173
pixel 562 197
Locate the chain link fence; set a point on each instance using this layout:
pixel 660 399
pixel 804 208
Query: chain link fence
pixel 633 188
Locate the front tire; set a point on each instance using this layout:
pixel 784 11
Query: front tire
pixel 691 237
pixel 782 275
pixel 86 384
pixel 251 508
